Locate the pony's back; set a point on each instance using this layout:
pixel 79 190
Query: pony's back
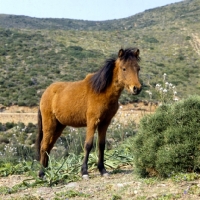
pixel 67 102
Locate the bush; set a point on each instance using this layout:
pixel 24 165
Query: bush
pixel 9 125
pixel 169 140
pixel 151 40
pixel 3 139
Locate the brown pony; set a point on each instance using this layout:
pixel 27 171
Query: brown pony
pixel 91 102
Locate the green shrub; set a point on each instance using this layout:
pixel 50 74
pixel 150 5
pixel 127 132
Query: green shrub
pixel 169 140
pixel 3 139
pixel 9 125
pixel 188 38
pixel 151 40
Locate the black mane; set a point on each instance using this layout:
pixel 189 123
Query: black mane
pixel 103 78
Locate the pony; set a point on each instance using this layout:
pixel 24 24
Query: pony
pixel 91 102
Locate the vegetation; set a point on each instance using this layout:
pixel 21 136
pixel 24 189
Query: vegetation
pixel 187 11
pixel 166 145
pixel 168 141
pixel 17 157
pixel 36 52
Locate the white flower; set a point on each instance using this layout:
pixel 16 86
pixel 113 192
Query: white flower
pixel 176 99
pixel 149 92
pixel 164 75
pixel 165 90
pixel 158 85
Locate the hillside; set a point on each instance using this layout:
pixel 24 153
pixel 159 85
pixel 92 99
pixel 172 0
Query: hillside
pixel 183 11
pixel 36 52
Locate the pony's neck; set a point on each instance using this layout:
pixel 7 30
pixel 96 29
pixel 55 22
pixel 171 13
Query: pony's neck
pixel 116 86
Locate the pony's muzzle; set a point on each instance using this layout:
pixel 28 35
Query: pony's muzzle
pixel 136 90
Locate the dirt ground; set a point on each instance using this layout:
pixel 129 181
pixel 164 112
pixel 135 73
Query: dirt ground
pixel 133 112
pixel 124 185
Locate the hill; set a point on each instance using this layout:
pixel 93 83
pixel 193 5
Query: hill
pixel 182 11
pixel 36 52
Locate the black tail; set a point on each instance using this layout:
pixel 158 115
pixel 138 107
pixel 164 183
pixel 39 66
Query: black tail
pixel 40 134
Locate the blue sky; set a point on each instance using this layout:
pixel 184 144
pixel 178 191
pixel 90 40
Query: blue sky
pixel 79 9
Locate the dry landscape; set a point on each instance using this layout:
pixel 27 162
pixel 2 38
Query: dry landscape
pixel 121 185
pixel 29 115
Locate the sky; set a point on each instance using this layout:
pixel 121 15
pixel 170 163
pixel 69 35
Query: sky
pixel 93 10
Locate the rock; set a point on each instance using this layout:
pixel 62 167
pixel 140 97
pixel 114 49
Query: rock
pixel 72 184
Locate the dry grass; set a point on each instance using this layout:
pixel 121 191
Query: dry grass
pixel 122 185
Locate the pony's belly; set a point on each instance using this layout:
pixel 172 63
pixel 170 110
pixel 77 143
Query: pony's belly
pixel 72 119
pixel 76 124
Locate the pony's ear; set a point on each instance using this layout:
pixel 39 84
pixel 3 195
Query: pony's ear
pixel 121 53
pixel 136 53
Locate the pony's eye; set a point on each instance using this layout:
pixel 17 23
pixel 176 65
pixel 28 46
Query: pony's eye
pixel 124 69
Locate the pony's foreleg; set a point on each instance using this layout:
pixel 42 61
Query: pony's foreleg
pixel 87 147
pixel 102 128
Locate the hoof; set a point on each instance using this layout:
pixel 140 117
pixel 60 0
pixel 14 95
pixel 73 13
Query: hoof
pixel 85 177
pixel 105 175
pixel 41 174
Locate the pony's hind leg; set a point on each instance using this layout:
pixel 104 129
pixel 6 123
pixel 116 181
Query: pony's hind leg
pixel 50 135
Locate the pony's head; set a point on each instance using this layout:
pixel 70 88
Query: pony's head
pixel 126 65
pixel 128 69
